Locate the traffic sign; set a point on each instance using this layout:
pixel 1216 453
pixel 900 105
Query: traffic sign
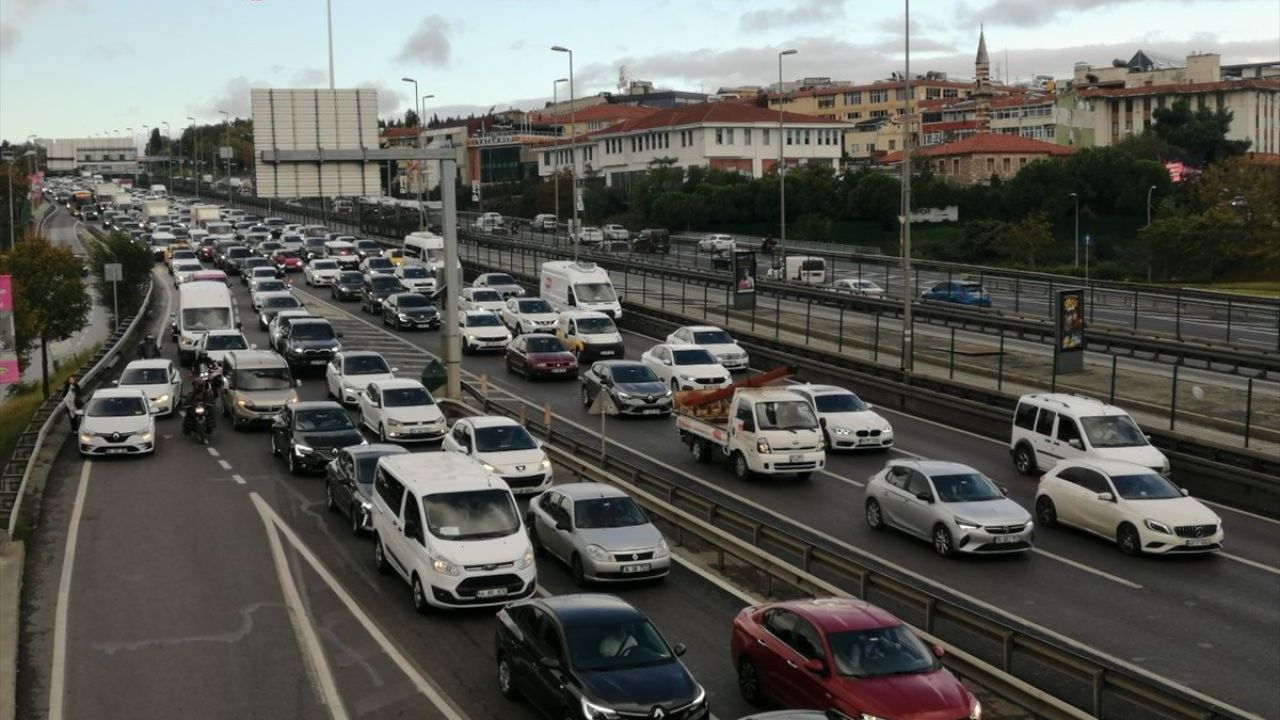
pixel 113 272
pixel 603 405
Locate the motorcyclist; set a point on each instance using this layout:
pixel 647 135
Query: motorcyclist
pixel 148 349
pixel 768 244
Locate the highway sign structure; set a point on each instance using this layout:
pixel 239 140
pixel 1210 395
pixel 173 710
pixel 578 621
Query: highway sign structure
pixel 315 143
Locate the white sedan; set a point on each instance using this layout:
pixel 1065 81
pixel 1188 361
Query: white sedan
pixel 847 422
pixel 351 371
pixel 183 270
pixel 505 449
pixel 474 298
pixel 117 421
pixel 158 379
pixel 587 236
pixel 858 286
pixel 482 330
pixel 1129 504
pixel 529 315
pixel 400 411
pixel 260 288
pixel 716 341
pixel 615 232
pixel 686 367
pixel 321 273
pixel 417 278
pixel 715 243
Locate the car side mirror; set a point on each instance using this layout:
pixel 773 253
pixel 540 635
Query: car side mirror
pixel 679 649
pixel 938 651
pixel 79 413
pixel 253 346
pixel 870 406
pixel 666 362
pixel 1004 490
pixel 1106 497
pixel 338 334
pixel 925 496
pixel 297 383
pixel 1185 492
pixel 549 663
pixel 239 325
pixel 115 382
pixel 1075 443
pixel 816 666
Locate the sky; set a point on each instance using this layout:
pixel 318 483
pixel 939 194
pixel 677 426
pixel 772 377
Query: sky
pixel 73 68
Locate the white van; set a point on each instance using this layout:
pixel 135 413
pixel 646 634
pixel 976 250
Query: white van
pixel 580 285
pixel 806 269
pixel 590 335
pixel 203 305
pixel 426 247
pixel 343 252
pixel 452 530
pixel 1048 427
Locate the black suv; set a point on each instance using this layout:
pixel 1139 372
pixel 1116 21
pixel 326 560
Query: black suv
pixel 308 343
pixel 347 285
pixel 309 434
pixel 652 240
pixel 376 288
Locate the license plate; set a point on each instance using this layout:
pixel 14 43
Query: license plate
pixel 868 441
pixel 652 411
pixel 605 353
pixel 631 569
pixel 1001 539
pixel 1197 542
pixel 797 458
pixel 491 593
pixel 117 451
pixel 319 362
pixel 559 370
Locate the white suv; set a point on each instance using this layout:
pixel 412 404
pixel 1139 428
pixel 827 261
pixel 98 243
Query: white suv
pixel 1048 427
pixel 450 529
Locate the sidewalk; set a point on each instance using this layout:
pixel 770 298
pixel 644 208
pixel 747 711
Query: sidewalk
pixel 11 559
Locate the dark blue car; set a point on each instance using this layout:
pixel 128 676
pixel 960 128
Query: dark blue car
pixel 958 291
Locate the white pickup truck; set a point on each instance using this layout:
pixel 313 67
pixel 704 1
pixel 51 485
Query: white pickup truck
pixel 766 431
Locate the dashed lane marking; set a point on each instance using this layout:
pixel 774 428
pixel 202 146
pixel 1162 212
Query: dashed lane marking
pixel 238 478
pixel 224 464
pixel 213 451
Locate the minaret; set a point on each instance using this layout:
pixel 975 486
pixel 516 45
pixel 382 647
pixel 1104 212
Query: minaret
pixel 982 91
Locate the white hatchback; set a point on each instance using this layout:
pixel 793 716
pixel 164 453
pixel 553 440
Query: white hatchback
pixel 158 379
pixel 474 298
pixel 117 421
pixel 505 449
pixel 348 373
pixel 400 411
pixel 716 341
pixel 686 367
pixel 321 272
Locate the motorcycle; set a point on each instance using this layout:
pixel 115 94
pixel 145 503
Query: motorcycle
pixel 198 421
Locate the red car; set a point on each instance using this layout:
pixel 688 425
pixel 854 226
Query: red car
pixel 287 261
pixel 845 655
pixel 540 355
pixel 207 250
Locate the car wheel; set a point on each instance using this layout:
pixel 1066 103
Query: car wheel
pixel 275 451
pixel 942 540
pixel 875 520
pixel 380 557
pixel 700 450
pixel 1024 460
pixel 749 681
pixel 579 576
pixel 382 433
pixel 357 528
pixel 1046 513
pixel 292 462
pixel 586 397
pixel 741 470
pixel 1128 540
pixel 506 684
pixel 419 597
pixel 328 497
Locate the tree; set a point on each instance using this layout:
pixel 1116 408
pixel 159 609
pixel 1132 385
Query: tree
pixel 1027 240
pixel 1201 134
pixel 136 264
pixel 50 302
pixel 410 118
pixel 155 145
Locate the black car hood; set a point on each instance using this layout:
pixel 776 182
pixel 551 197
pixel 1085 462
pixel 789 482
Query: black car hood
pixel 645 389
pixel 639 689
pixel 333 439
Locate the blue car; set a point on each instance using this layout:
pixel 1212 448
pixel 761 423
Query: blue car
pixel 963 292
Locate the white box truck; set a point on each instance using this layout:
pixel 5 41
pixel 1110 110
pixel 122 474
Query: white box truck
pixel 580 285
pixel 806 269
pixel 154 211
pixel 202 215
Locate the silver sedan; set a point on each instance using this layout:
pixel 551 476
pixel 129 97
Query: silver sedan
pixel 599 532
pixel 956 508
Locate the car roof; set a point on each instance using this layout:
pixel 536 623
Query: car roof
pixel 316 405
pixel 703 328
pixel 936 467
pixel 1072 403
pixel 587 490
pixel 582 314
pixel 1107 467
pixel 488 421
pixel 309 320
pixel 111 392
pixel 378 449
pixel 256 358
pixel 589 608
pixel 152 363
pixel 224 331
pixel 620 363
pixel 397 384
pixel 531 336
pixel 276 294
pixel 359 353
pixel 832 615
pixel 470 313
pixel 822 389
pixel 441 472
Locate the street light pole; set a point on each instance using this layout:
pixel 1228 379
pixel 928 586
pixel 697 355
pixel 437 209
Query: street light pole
pixel 573 151
pixel 329 14
pixel 195 152
pixel 782 159
pixel 1076 198
pixel 168 155
pixel 417 179
pixel 1149 191
pixel 908 323
pixel 555 152
pixel 226 122
pixel 422 164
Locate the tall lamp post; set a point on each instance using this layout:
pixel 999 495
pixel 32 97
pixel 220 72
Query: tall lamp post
pixel 573 151
pixel 195 152
pixel 1149 191
pixel 1076 199
pixel 555 150
pixel 908 322
pixel 782 158
pixel 422 164
pixel 168 154
pixel 226 122
pixel 417 105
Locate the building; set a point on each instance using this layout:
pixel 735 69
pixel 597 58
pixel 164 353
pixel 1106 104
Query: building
pixel 976 159
pixel 1148 68
pixel 723 135
pixel 96 156
pixel 590 119
pixel 883 98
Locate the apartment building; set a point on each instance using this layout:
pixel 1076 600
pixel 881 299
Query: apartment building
pixel 590 119
pixel 978 158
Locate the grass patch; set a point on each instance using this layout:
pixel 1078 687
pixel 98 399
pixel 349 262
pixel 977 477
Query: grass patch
pixel 20 407
pixel 1262 288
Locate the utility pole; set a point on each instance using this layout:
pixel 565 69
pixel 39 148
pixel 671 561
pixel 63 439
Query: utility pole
pixel 782 159
pixel 452 278
pixel 195 152
pixel 555 152
pixel 573 151
pixel 226 123
pixel 908 342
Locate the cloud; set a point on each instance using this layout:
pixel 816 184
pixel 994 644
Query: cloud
pixel 233 97
pixel 428 43
pixel 1034 13
pixel 810 12
pixel 308 77
pixel 10 36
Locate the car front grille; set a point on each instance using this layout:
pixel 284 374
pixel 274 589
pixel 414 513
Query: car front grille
pixel 796 466
pixel 1195 531
pixel 868 433
pixel 489 568
pixel 1005 529
pixel 469 587
pixel 524 481
pixel 708 381
pixel 632 556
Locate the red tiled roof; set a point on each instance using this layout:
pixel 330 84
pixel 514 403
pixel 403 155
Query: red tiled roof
pixel 594 113
pixel 1182 88
pixel 878 85
pixel 990 143
pixel 398 132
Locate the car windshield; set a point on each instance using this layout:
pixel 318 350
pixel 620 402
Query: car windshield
pixel 381 283
pixel 365 365
pixel 839 403
pixel 226 342
pixel 144 376
pixel 350 277
pixel 313 242
pixel 534 305
pixel 471 515
pixel 596 326
pixel 368 245
pixel 545 345
pixel 237 252
pixel 499 279
pixel 965 487
pixel 342 250
pixel 286 254
pixel 412 300
pixel 278 303
pixel 502 438
pixel 276 378
pixel 695 356
pixel 1146 486
pixel 712 337
pixel 324 420
pixel 971 289
pixel 785 415
pixel 324 264
pixel 594 292
pixel 407 397
pixel 413 272
pixel 270 286
pixel 485 296
pixel 206 318
pixel 610 512
pixel 1110 431
pixel 880 652
pixel 312 331
pixel 616 646
pixel 379 262
pixel 483 320
pixel 633 374
pixel 116 407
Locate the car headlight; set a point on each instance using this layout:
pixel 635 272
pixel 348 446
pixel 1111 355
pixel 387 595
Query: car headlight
pixel 403 317
pixel 869 716
pixel 301 449
pixel 841 431
pixel 592 711
pixel 366 506
pixel 887 428
pixel 663 549
pixel 1157 526
pixel 244 403
pixel 762 446
pixel 444 567
pixel 525 560
pixel 975 712
pixel 393 423
pixel 597 553
pixel 623 396
pixel 162 399
pixel 966 524
pixel 489 467
pixel 86 438
pixel 546 464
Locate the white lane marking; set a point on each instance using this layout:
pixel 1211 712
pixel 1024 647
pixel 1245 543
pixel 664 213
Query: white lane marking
pixel 224 464
pixel 1246 513
pixel 58 674
pixel 1251 563
pixel 238 478
pixel 716 580
pixel 212 451
pixel 420 681
pixel 313 656
pixel 1086 568
pixel 843 479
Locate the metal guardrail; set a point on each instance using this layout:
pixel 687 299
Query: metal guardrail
pixel 995 644
pixel 17 472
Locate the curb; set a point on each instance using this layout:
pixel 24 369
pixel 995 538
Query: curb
pixel 11 560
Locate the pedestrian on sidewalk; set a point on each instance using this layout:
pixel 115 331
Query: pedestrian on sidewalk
pixel 71 400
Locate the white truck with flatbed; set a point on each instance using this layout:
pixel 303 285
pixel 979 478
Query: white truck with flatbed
pixel 760 430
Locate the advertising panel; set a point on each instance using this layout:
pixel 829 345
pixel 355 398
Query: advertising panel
pixel 743 266
pixel 1069 349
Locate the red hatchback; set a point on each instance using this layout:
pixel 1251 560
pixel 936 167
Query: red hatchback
pixel 846 655
pixel 287 261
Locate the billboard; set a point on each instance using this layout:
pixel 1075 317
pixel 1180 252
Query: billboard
pixel 742 263
pixel 9 371
pixel 315 143
pixel 1069 319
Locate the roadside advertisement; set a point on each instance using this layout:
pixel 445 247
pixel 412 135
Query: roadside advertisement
pixel 9 371
pixel 743 267
pixel 1069 350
